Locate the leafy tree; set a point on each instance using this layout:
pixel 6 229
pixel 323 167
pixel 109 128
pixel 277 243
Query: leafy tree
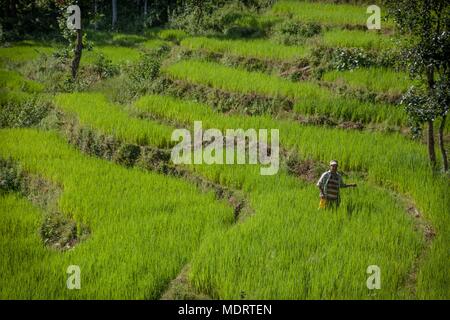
pixel 427 23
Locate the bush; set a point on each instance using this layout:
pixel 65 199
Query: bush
pixel 350 58
pixel 10 176
pixel 292 32
pixel 230 19
pixel 53 71
pixel 325 59
pixel 146 69
pixel 103 67
pixel 234 22
pixel 127 154
pixel 23 113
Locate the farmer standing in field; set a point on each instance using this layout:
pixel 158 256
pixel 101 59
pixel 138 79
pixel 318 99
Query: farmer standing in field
pixel 329 184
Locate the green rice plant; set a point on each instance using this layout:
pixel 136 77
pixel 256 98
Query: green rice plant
pixel 116 54
pixel 13 81
pixel 106 38
pixel 154 44
pixel 173 35
pixel 256 48
pixel 380 80
pixel 325 13
pixel 144 226
pixel 23 52
pixel 21 249
pixel 310 98
pixel 94 110
pixel 14 96
pixel 357 38
pixel 127 40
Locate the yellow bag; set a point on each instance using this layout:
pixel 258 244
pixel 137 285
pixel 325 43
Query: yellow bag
pixel 323 203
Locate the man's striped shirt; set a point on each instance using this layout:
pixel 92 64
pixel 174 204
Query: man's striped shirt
pixel 330 184
pixel 333 187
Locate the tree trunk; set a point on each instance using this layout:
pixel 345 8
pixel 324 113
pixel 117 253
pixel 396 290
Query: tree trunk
pixel 77 55
pixel 145 7
pixel 431 151
pixel 114 13
pixel 441 143
pixel 13 9
pixel 95 15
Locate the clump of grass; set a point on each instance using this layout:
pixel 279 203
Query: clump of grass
pixel 118 55
pixel 13 81
pixel 23 52
pixel 154 44
pixel 127 40
pixel 374 79
pixel 173 35
pixel 357 38
pixel 249 48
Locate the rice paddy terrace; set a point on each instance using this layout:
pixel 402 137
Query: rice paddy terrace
pixel 91 184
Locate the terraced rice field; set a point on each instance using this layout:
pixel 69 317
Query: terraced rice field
pixel 310 98
pixel 146 225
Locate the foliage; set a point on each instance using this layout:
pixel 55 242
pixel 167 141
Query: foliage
pixel 216 17
pixel 104 67
pixel 291 32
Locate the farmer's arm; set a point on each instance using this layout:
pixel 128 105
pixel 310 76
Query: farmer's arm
pixel 344 185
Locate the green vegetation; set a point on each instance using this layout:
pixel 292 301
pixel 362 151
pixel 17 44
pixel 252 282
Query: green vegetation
pixel 405 170
pixel 15 82
pixel 325 13
pixel 286 220
pixel 374 79
pixel 270 241
pixel 93 109
pixel 357 38
pixel 24 51
pixel 366 150
pixel 139 240
pixel 247 48
pixel 310 98
pixel 116 54
pixel 153 43
pixel 19 225
pixel 172 35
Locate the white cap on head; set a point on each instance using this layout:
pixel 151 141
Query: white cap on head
pixel 333 162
